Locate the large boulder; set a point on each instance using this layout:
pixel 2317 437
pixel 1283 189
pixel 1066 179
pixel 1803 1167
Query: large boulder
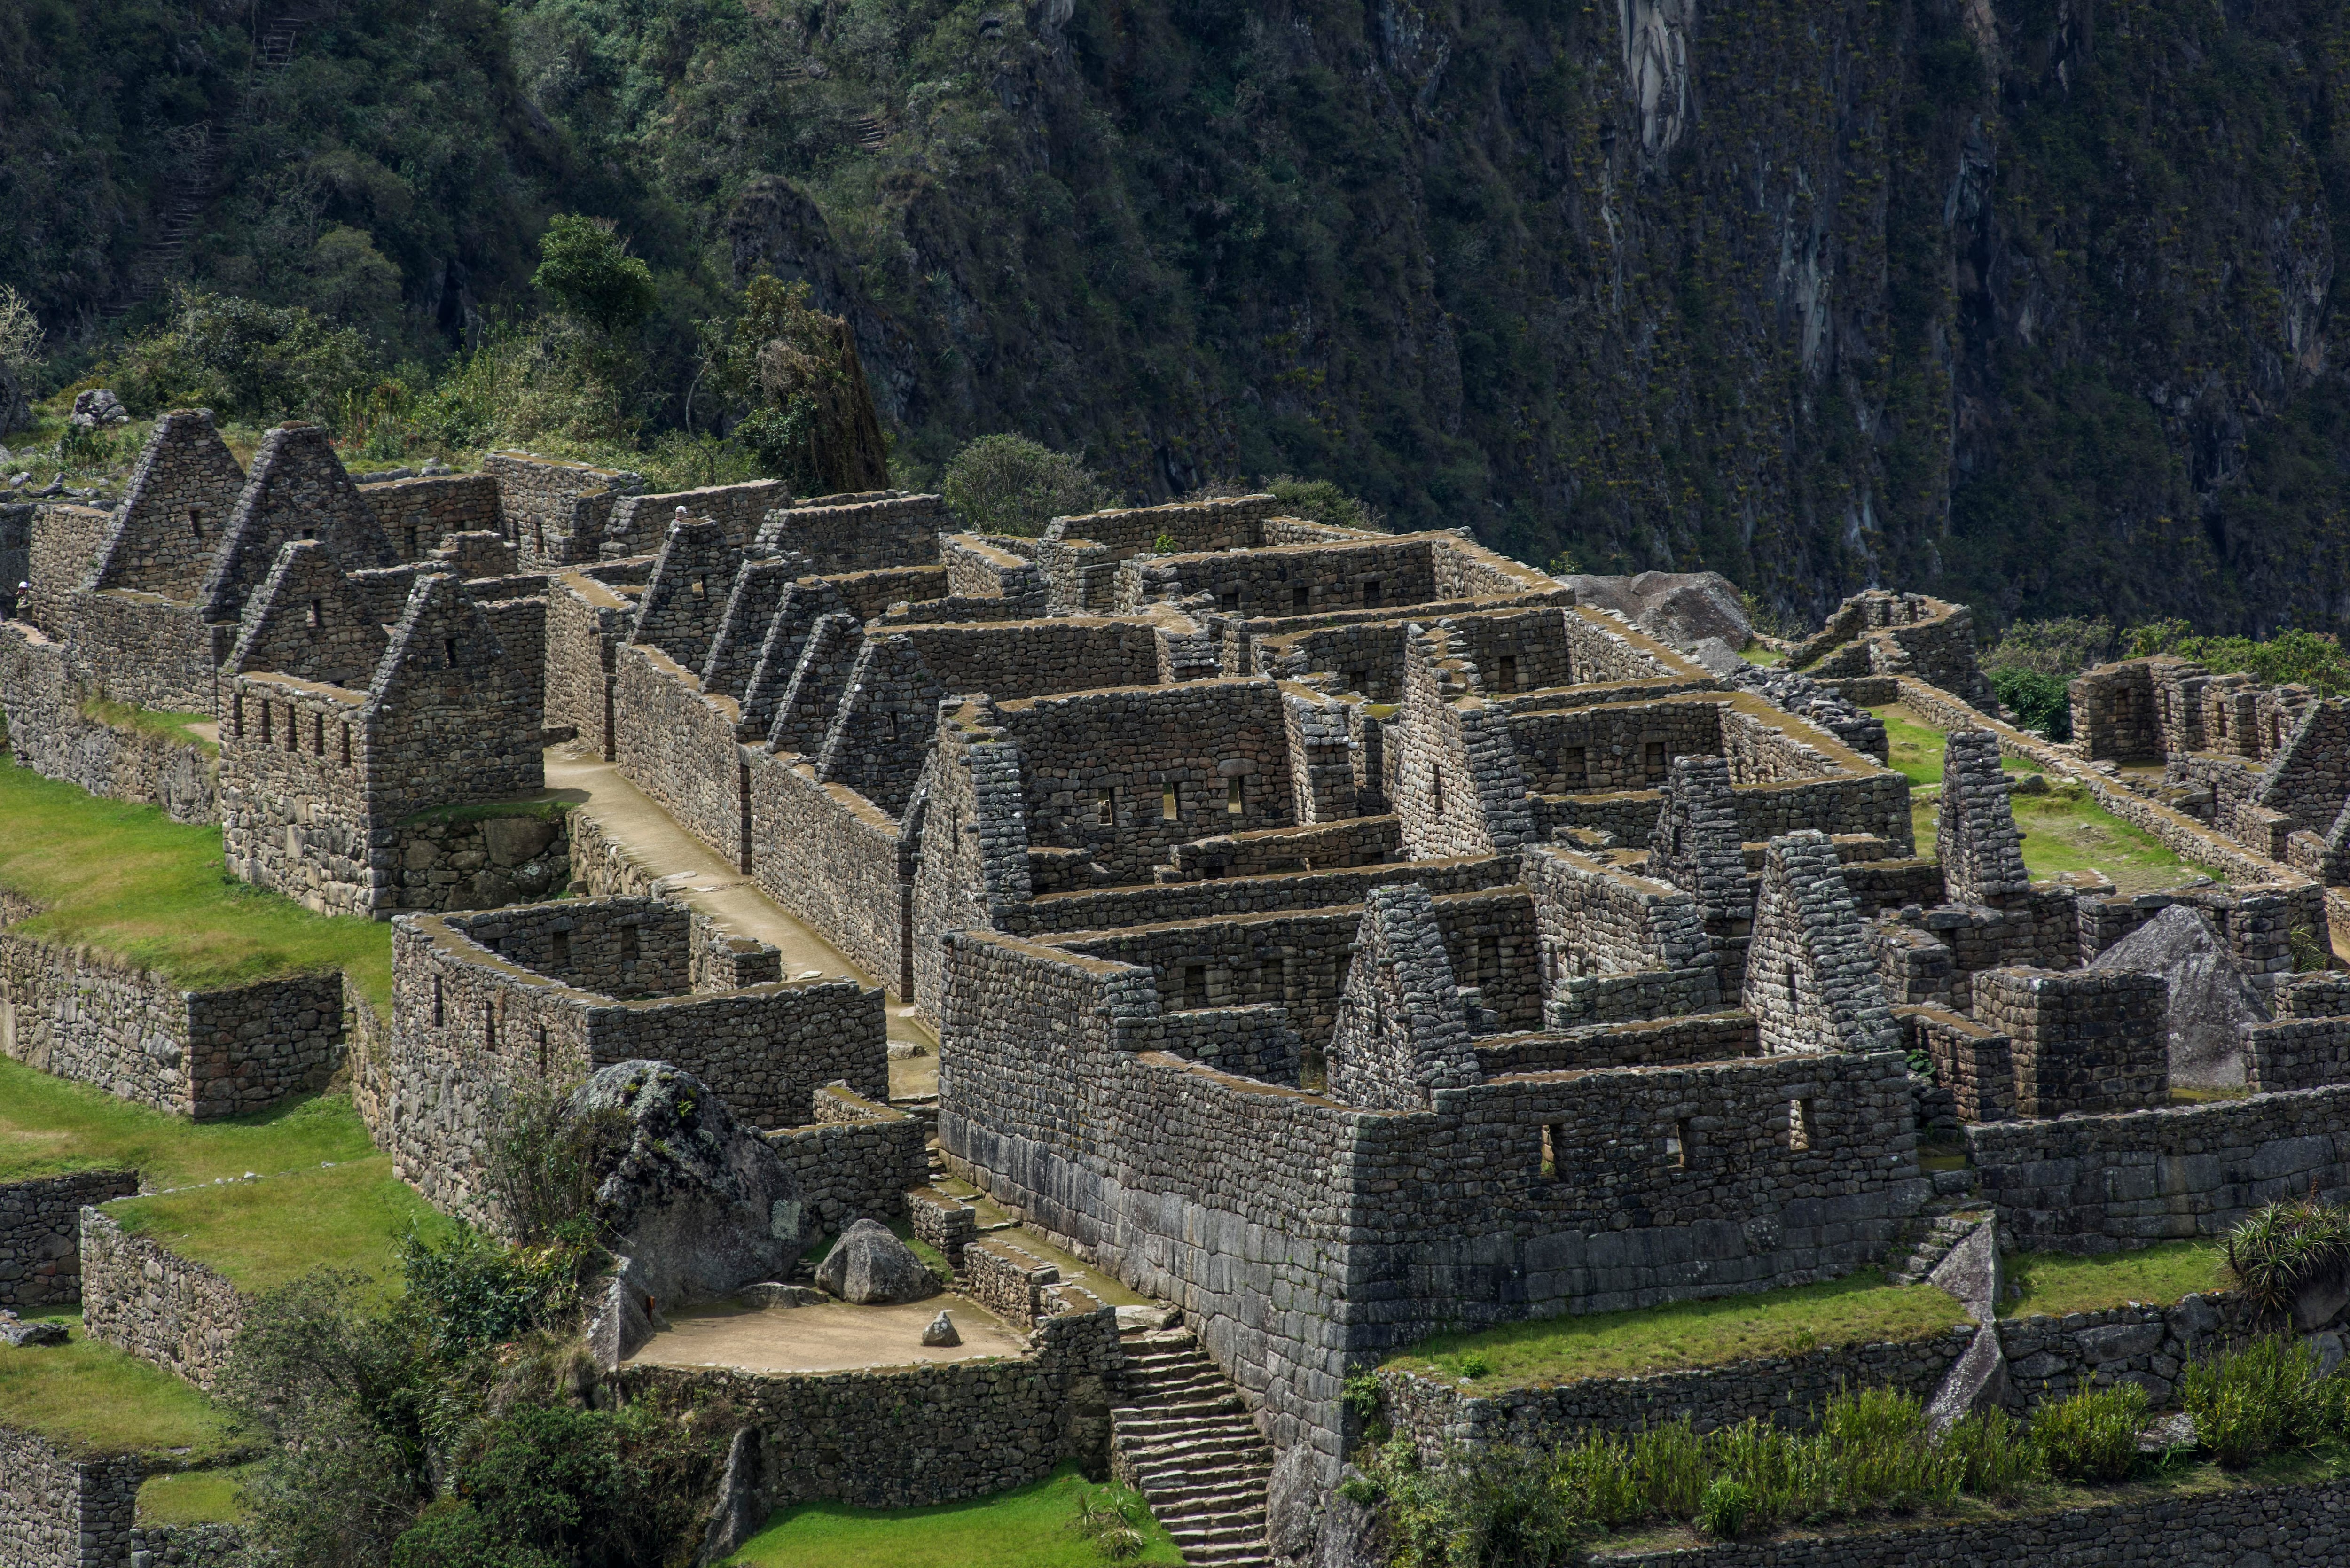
pixel 869 1266
pixel 701 1203
pixel 2210 999
pixel 1679 607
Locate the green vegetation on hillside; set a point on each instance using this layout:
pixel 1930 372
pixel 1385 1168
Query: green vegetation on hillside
pixel 131 882
pixel 269 1232
pixel 92 1399
pixel 1859 1309
pixel 2052 1284
pixel 50 1125
pixel 2297 658
pixel 1030 1527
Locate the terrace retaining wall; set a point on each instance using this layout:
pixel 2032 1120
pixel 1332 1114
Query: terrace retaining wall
pixel 141 1298
pixel 40 1234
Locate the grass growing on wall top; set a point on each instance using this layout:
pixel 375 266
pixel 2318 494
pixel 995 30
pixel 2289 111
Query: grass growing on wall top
pixel 131 882
pixel 49 1126
pixel 1025 1528
pixel 157 723
pixel 92 1400
pixel 269 1232
pixel 194 1497
pixel 1860 1308
pixel 2055 1283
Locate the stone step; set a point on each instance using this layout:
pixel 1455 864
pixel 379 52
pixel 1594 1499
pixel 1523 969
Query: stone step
pixel 1234 1490
pixel 1165 1453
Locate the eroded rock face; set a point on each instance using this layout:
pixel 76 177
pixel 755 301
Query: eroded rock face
pixel 869 1266
pixel 2209 999
pixel 701 1203
pixel 1678 607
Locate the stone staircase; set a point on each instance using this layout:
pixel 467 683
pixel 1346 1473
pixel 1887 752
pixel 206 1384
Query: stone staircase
pixel 1951 1215
pixel 1187 1444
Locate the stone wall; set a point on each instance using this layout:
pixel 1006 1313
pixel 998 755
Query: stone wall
pixel 206 1054
pixel 1646 1043
pixel 40 1235
pixel 50 732
pixel 984 1426
pixel 2052 1358
pixel 2082 1040
pixel 678 745
pixel 1973 1061
pixel 837 861
pixel 555 512
pixel 857 1161
pixel 141 1297
pixel 416 515
pixel 2296 1053
pixel 858 534
pixel 639 522
pixel 57 1511
pixel 1437 1413
pixel 2095 1183
pixel 586 621
pixel 61 552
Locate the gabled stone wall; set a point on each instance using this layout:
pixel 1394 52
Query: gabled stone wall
pixel 416 515
pixel 555 512
pixel 174 512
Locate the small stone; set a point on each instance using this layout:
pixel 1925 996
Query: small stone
pixel 941 1331
pixel 16 1331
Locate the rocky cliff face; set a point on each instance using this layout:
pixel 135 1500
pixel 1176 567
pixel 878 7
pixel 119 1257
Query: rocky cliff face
pixel 2021 302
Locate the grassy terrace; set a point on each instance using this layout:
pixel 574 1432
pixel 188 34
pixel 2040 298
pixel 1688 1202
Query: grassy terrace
pixel 2055 1283
pixel 2064 830
pixel 266 1233
pixel 131 882
pixel 1026 1528
pixel 161 725
pixel 193 1497
pixel 49 1126
pixel 92 1400
pixel 1860 1308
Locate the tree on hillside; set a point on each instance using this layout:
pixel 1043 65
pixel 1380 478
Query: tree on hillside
pixel 584 268
pixel 245 361
pixel 20 355
pixel 792 371
pixel 1010 484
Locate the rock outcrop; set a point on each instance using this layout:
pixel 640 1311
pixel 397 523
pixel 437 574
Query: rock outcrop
pixel 2209 999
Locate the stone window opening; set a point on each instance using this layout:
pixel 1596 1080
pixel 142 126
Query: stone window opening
pixel 1229 601
pixel 627 944
pixel 1654 759
pixel 1358 681
pixel 265 721
pixel 1554 1140
pixel 318 614
pixel 411 541
pixel 1799 1125
pixel 701 585
pixel 347 745
pixel 440 1010
pixel 309 533
pixel 449 648
pixel 1171 805
pixel 196 522
pixel 1505 669
pixel 538 535
pixel 237 716
pixel 558 950
pixel 1195 986
pixel 1677 1145
pixel 1436 790
pixel 1488 959
pixel 1373 594
pixel 1574 767
pixel 490 1025
pixel 542 1051
pixel 1233 805
pixel 1301 598
pixel 1105 808
pixel 317 734
pixel 293 728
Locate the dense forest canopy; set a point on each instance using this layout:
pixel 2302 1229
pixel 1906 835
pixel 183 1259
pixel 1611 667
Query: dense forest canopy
pixel 2021 302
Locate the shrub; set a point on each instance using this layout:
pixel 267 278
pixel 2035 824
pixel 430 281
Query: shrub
pixel 1110 1523
pixel 20 355
pixel 1010 484
pixel 2092 1436
pixel 2282 1248
pixel 1725 1508
pixel 476 1292
pixel 545 1163
pixel 1995 1458
pixel 1320 500
pixel 584 268
pixel 808 414
pixel 2249 1403
pixel 2038 701
pixel 2311 659
pixel 2061 647
pixel 245 361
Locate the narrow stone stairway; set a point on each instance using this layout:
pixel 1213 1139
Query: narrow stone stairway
pixel 1948 1218
pixel 1187 1444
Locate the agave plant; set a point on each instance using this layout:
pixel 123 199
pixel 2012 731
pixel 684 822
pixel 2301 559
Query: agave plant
pixel 2283 1249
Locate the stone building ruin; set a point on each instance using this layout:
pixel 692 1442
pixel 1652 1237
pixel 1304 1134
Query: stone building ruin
pixel 1342 936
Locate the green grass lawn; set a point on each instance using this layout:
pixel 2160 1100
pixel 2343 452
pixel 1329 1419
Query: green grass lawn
pixel 1860 1308
pixel 1026 1528
pixel 2064 830
pixel 193 1497
pixel 2055 1283
pixel 92 1399
pixel 266 1233
pixel 49 1126
pixel 130 881
pixel 1755 653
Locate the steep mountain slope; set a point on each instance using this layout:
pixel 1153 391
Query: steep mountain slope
pixel 2026 302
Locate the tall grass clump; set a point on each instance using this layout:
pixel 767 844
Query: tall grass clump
pixel 2092 1436
pixel 2283 1249
pixel 2254 1401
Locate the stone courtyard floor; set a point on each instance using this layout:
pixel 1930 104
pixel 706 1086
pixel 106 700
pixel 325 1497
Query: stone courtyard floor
pixel 832 1337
